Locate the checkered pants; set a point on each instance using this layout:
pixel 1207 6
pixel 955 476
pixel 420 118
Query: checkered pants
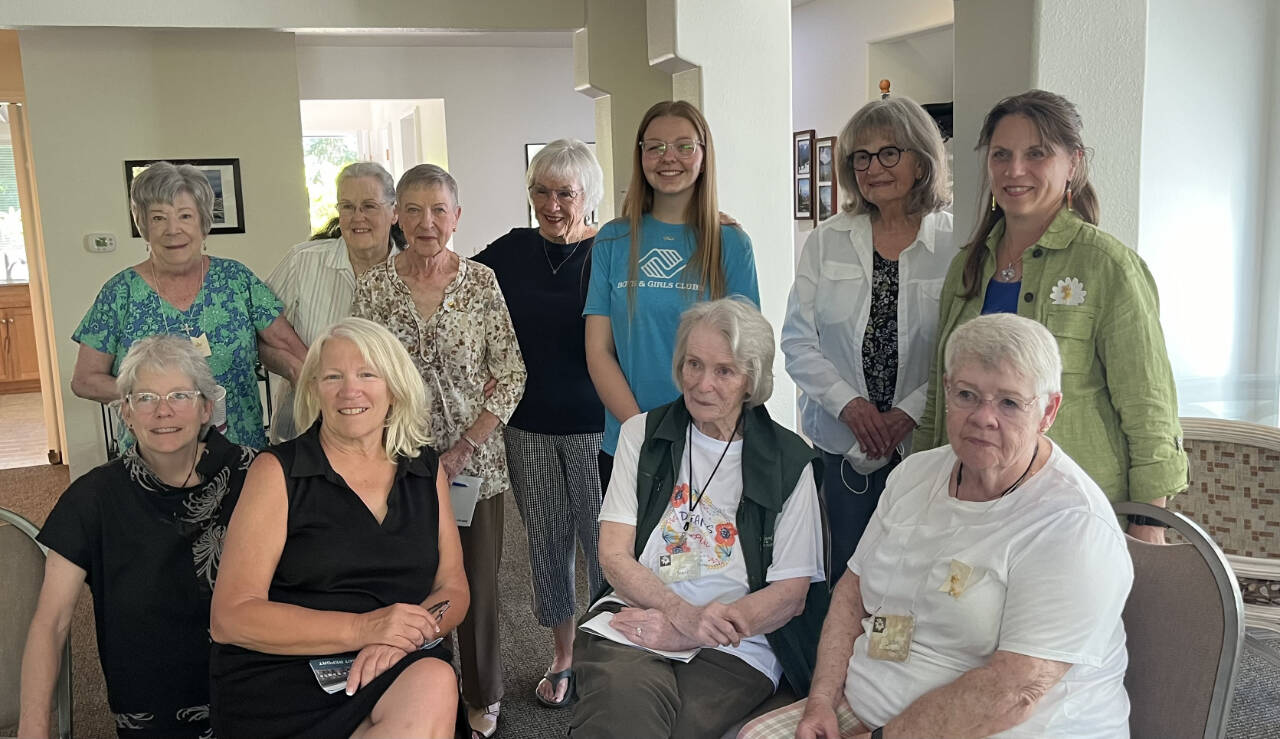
pixel 782 723
pixel 556 481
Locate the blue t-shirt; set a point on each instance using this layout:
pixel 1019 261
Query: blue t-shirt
pixel 1002 297
pixel 645 338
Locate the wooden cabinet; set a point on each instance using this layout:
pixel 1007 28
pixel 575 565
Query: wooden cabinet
pixel 19 367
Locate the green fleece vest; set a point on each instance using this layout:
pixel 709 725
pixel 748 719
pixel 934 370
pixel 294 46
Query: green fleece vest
pixel 773 459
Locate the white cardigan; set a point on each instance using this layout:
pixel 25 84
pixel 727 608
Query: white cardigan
pixel 827 315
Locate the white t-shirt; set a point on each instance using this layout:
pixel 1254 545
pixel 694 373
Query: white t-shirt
pixel 1051 573
pixel 713 533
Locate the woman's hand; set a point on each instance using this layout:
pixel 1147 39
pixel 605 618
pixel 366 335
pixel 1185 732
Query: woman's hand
pixel 819 721
pixel 403 625
pixel 456 458
pixel 1149 534
pixel 900 426
pixel 650 628
pixel 868 427
pixel 371 662
pixel 714 624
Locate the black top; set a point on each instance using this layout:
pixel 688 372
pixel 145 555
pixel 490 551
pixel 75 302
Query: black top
pixel 880 342
pixel 150 553
pixel 336 557
pixel 545 285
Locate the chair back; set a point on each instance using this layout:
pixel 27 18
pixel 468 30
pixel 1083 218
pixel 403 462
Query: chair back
pixel 1184 622
pixel 21 575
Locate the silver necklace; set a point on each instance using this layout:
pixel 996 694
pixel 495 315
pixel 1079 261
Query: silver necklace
pixel 1008 273
pixel 554 269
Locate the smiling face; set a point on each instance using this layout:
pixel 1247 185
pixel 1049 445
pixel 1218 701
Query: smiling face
pixel 429 217
pixel 1002 429
pixel 1028 175
pixel 714 387
pixel 559 219
pixel 668 174
pixel 364 215
pixel 167 427
pixel 354 399
pixel 886 186
pixel 174 233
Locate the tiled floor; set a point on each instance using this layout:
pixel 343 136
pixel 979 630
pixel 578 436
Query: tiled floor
pixel 23 442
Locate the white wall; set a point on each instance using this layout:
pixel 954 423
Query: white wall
pixel 495 100
pixel 97 97
pixel 1209 184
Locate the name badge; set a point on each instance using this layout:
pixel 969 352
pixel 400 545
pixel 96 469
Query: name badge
pixel 890 637
pixel 201 344
pixel 957 579
pixel 679 567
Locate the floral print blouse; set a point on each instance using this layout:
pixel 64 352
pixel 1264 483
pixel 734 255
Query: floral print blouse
pixel 457 349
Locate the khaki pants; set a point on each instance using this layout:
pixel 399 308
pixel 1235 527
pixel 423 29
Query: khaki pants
pixel 627 692
pixel 478 648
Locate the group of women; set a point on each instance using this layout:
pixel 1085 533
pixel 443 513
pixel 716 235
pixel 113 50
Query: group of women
pixel 985 577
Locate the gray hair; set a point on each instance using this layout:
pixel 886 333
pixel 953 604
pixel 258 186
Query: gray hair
pixel 166 352
pixel 750 340
pixel 371 170
pixel 570 159
pixel 998 339
pixel 909 127
pixel 163 182
pixel 427 175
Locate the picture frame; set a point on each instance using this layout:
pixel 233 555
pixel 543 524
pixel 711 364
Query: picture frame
pixel 802 158
pixel 224 178
pixel 826 178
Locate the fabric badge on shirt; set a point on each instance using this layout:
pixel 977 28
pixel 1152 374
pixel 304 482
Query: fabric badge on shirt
pixel 707 532
pixel 959 578
pixel 890 637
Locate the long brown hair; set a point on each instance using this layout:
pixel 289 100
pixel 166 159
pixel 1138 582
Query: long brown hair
pixel 702 214
pixel 1058 123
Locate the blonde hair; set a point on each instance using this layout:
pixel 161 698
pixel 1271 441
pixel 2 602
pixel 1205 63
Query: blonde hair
pixel 407 426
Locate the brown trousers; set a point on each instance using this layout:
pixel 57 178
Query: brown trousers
pixel 478 647
pixel 627 692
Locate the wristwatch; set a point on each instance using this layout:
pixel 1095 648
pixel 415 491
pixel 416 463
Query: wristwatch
pixel 1146 521
pixel 877 733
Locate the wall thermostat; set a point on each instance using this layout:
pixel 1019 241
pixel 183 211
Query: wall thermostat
pixel 99 242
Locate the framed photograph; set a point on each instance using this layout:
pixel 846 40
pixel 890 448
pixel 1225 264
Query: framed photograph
pixel 224 178
pixel 803 158
pixel 828 190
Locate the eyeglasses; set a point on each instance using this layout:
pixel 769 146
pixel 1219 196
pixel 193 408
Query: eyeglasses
pixel 178 400
pixel 563 195
pixel 1009 406
pixel 656 148
pixel 889 157
pixel 367 208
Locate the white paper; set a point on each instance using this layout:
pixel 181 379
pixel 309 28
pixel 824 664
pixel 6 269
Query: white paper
pixel 463 492
pixel 601 626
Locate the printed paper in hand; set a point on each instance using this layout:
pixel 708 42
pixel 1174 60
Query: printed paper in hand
pixel 463 492
pixel 600 626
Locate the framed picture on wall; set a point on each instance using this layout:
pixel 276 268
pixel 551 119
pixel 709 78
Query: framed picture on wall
pixel 828 191
pixel 803 158
pixel 532 149
pixel 224 178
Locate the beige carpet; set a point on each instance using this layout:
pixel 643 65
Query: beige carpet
pixel 23 442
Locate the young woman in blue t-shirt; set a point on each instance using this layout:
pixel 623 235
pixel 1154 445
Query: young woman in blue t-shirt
pixel 668 251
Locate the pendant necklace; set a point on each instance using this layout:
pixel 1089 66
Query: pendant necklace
pixel 555 270
pixel 156 279
pixel 1008 273
pixel 693 502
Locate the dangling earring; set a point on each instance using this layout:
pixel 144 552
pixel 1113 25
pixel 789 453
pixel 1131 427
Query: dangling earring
pixel 204 246
pixel 1069 196
pixel 993 202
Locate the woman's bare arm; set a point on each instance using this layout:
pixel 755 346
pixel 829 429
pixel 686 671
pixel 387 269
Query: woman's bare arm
pixel 92 379
pixel 606 374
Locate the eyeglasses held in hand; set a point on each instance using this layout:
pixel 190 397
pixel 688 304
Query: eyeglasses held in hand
pixel 178 400
pixel 1010 406
pixel 563 195
pixel 656 148
pixel 889 157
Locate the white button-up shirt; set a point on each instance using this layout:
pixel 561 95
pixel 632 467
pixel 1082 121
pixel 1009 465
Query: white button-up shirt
pixel 827 315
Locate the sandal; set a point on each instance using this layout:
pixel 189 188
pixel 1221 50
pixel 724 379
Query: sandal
pixel 483 721
pixel 554 679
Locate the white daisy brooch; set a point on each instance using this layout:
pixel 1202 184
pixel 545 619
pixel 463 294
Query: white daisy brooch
pixel 1068 292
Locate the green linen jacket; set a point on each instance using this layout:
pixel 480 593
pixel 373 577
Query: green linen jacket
pixel 773 459
pixel 1119 414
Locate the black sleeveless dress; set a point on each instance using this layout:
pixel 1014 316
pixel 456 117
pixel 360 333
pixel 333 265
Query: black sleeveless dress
pixel 336 557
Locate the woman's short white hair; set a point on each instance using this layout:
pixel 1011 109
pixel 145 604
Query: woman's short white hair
pixel 408 421
pixel 572 161
pixel 750 339
pixel 166 352
pixel 1007 339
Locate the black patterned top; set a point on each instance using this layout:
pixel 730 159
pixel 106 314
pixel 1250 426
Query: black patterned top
pixel 150 553
pixel 880 342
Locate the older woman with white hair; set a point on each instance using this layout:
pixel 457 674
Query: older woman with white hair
pixel 553 438
pixel 227 313
pixel 985 598
pixel 342 562
pixel 711 535
pixel 145 531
